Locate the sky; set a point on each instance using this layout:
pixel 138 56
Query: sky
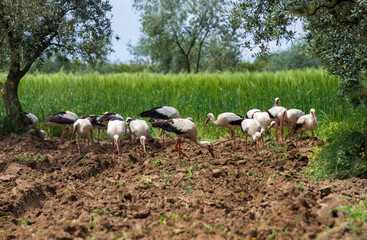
pixel 125 23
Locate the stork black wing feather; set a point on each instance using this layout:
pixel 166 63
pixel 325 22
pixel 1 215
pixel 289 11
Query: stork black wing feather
pixel 297 126
pixel 167 125
pixel 152 113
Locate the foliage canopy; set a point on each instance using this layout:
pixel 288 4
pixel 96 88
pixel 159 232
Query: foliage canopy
pixel 32 30
pixel 187 35
pixel 336 32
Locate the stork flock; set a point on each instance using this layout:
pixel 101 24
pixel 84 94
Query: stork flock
pixel 168 119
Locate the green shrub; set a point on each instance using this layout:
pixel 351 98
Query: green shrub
pixel 343 155
pixel 356 217
pixel 5 124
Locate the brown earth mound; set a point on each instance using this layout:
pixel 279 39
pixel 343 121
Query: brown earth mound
pixel 50 195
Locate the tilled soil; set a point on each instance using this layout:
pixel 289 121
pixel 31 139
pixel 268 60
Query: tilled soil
pixel 49 195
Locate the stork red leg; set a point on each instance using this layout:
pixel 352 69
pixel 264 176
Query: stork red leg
pixel 179 149
pixel 246 143
pixel 159 135
pixel 234 139
pixel 62 135
pixel 78 146
pixel 113 146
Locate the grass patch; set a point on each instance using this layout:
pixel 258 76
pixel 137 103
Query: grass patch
pixel 344 154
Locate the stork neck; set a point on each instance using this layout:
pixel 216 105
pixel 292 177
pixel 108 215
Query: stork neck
pixel 200 143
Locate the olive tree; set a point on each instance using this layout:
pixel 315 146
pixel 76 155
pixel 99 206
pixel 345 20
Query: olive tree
pixel 336 33
pixel 30 30
pixel 186 35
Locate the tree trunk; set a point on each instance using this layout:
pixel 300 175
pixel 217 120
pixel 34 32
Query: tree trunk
pixel 9 93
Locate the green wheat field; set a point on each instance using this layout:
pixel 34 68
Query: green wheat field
pixel 193 95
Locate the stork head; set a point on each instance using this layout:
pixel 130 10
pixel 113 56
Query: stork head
pixel 312 112
pixel 209 146
pixel 116 139
pixel 210 117
pixel 276 102
pixel 43 133
pixel 272 124
pixel 256 136
pixel 262 131
pixel 142 141
pixel 128 120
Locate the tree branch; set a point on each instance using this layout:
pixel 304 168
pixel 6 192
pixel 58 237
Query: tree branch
pixel 183 52
pixel 213 60
pixel 329 6
pixel 38 53
pixel 199 51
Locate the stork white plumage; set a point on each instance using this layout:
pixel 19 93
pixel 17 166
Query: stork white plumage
pixel 250 113
pixel 82 128
pixel 95 121
pixel 139 129
pixel 161 113
pixel 229 120
pixel 105 118
pixel 290 119
pixel 63 119
pixel 183 128
pixel 251 127
pixel 264 119
pixel 34 124
pixel 116 130
pixel 306 123
pixel 277 114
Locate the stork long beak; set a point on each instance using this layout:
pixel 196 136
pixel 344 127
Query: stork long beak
pixel 211 152
pixel 207 120
pixel 276 103
pixel 143 143
pixel 314 116
pixel 270 126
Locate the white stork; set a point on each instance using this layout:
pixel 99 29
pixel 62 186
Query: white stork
pixel 34 124
pixel 107 116
pixel 250 113
pixel 63 119
pixel 161 113
pixel 306 123
pixel 253 128
pixel 264 120
pixel 116 130
pixel 83 128
pixel 183 128
pixel 139 128
pixel 229 120
pixel 277 114
pixel 290 119
pixel 95 121
pixel 276 102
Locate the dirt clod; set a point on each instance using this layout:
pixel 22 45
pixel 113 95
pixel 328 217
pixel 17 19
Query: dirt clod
pixel 158 196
